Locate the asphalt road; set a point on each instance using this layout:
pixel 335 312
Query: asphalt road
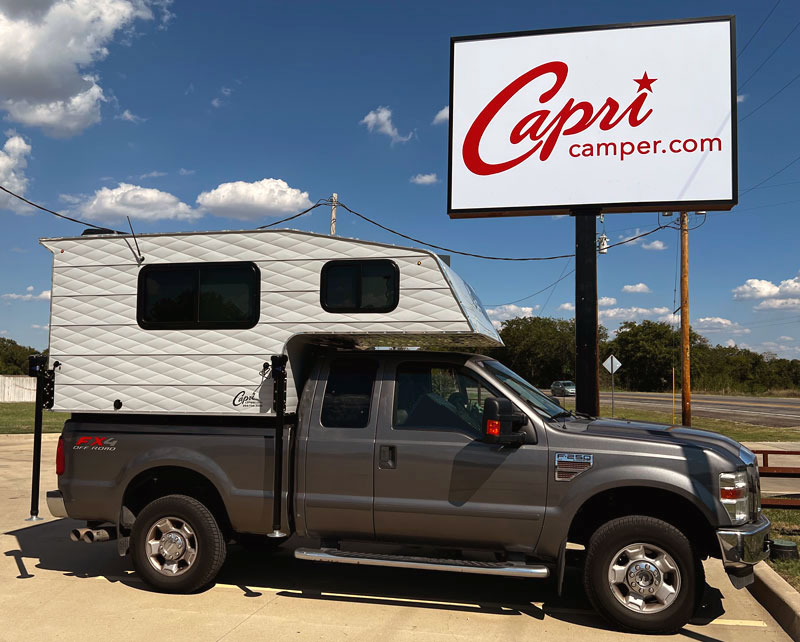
pixel 764 411
pixel 51 588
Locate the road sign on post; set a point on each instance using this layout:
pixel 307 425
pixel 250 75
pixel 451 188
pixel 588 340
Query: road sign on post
pixel 612 364
pixel 634 117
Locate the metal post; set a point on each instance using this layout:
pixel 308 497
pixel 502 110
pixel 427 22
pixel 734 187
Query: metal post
pixel 686 374
pixel 37 365
pixel 334 200
pixel 587 374
pixel 612 391
pixel 279 404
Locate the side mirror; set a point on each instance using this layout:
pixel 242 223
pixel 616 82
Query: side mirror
pixel 500 420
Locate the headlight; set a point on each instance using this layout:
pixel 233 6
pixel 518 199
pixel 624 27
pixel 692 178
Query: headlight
pixel 733 493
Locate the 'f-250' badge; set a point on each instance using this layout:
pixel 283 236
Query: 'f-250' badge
pixel 570 465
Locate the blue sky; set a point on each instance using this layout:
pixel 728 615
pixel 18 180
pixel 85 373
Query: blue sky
pixel 177 112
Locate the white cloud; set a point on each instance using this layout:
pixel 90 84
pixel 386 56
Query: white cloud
pixel 442 116
pixel 654 245
pixel 425 179
pixel 730 343
pixel 225 91
pixel 44 295
pixel 47 50
pixel 380 120
pixel 779 304
pixel 740 98
pixel 718 324
pixel 629 314
pixel 567 307
pixel 606 301
pixel 785 338
pixel 639 288
pixel 755 289
pixel 36 326
pixel 216 103
pixel 186 172
pixel 627 239
pixel 130 117
pixel 3 333
pixel 510 311
pixel 252 201
pixel 153 174
pixel 13 161
pixel 29 288
pixel 143 203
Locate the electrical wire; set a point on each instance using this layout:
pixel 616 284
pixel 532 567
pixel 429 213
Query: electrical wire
pixel 550 294
pixel 766 60
pixel 64 216
pixel 770 99
pixel 322 201
pixel 450 250
pixel 755 33
pixel 530 296
pixel 771 176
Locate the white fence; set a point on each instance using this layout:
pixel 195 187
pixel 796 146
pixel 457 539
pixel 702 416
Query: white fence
pixel 17 388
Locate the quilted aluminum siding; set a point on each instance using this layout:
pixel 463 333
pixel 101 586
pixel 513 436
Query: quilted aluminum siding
pixel 106 356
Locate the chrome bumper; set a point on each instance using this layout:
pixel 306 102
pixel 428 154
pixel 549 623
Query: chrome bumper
pixel 742 547
pixel 55 503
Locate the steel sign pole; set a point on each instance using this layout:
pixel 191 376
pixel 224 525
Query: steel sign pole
pixel 612 389
pixel 587 373
pixel 686 372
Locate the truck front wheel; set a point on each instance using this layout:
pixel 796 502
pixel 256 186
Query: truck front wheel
pixel 642 574
pixel 176 544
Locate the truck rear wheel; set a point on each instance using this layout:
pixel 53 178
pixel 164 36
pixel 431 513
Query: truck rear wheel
pixel 642 574
pixel 176 544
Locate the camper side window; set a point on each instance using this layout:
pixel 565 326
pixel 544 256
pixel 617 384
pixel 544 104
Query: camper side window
pixel 348 393
pixel 194 296
pixel 360 286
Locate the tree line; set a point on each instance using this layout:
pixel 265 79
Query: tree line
pixel 542 349
pixel 14 357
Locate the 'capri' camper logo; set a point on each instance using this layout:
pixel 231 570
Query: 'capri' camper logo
pixel 247 401
pixel 95 443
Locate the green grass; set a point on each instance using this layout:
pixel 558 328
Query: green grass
pixel 786 525
pixel 18 418
pixel 733 429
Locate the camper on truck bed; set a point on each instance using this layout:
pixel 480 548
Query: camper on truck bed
pixel 187 431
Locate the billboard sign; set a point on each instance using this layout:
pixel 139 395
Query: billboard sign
pixel 627 118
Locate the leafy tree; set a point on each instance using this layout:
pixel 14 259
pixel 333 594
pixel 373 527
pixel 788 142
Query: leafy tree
pixel 14 357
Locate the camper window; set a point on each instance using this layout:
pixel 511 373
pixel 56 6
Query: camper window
pixel 189 296
pixel 360 286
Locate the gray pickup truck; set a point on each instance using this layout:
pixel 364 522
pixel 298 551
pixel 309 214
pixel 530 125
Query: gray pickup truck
pixel 450 450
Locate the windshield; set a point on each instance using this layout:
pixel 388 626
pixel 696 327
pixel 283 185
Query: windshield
pixel 530 395
pixel 569 384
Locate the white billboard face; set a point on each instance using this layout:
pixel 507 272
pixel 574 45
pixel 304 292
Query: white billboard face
pixel 630 118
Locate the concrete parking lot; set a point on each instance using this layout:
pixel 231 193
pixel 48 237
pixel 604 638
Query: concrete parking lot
pixel 52 588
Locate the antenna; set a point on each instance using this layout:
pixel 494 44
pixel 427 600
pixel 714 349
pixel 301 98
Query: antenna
pixel 137 254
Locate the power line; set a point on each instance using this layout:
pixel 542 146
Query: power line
pixel 322 201
pixel 530 296
pixel 64 216
pixel 766 60
pixel 763 22
pixel 768 100
pixel 550 294
pixel 771 176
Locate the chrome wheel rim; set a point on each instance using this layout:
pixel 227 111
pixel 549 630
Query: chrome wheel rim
pixel 644 578
pixel 171 546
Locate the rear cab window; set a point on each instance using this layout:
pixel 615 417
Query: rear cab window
pixel 348 393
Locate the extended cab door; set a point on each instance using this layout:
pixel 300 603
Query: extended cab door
pixel 434 480
pixel 340 447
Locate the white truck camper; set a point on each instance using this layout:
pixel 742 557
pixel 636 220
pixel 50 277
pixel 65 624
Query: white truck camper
pixel 188 326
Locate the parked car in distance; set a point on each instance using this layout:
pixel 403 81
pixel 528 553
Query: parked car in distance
pixel 562 389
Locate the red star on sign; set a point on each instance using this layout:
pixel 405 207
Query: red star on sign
pixel 645 83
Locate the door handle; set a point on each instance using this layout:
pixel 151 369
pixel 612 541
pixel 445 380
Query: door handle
pixel 387 457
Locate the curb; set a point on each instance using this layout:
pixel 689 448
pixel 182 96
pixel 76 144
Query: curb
pixel 779 598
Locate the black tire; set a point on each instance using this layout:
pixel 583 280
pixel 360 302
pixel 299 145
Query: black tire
pixel 207 539
pixel 617 534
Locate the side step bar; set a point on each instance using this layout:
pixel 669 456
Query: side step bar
pixel 424 563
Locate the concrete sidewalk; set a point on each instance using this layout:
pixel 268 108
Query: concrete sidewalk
pixel 51 588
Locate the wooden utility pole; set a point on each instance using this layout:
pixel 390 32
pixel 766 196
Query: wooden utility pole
pixel 686 381
pixel 334 200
